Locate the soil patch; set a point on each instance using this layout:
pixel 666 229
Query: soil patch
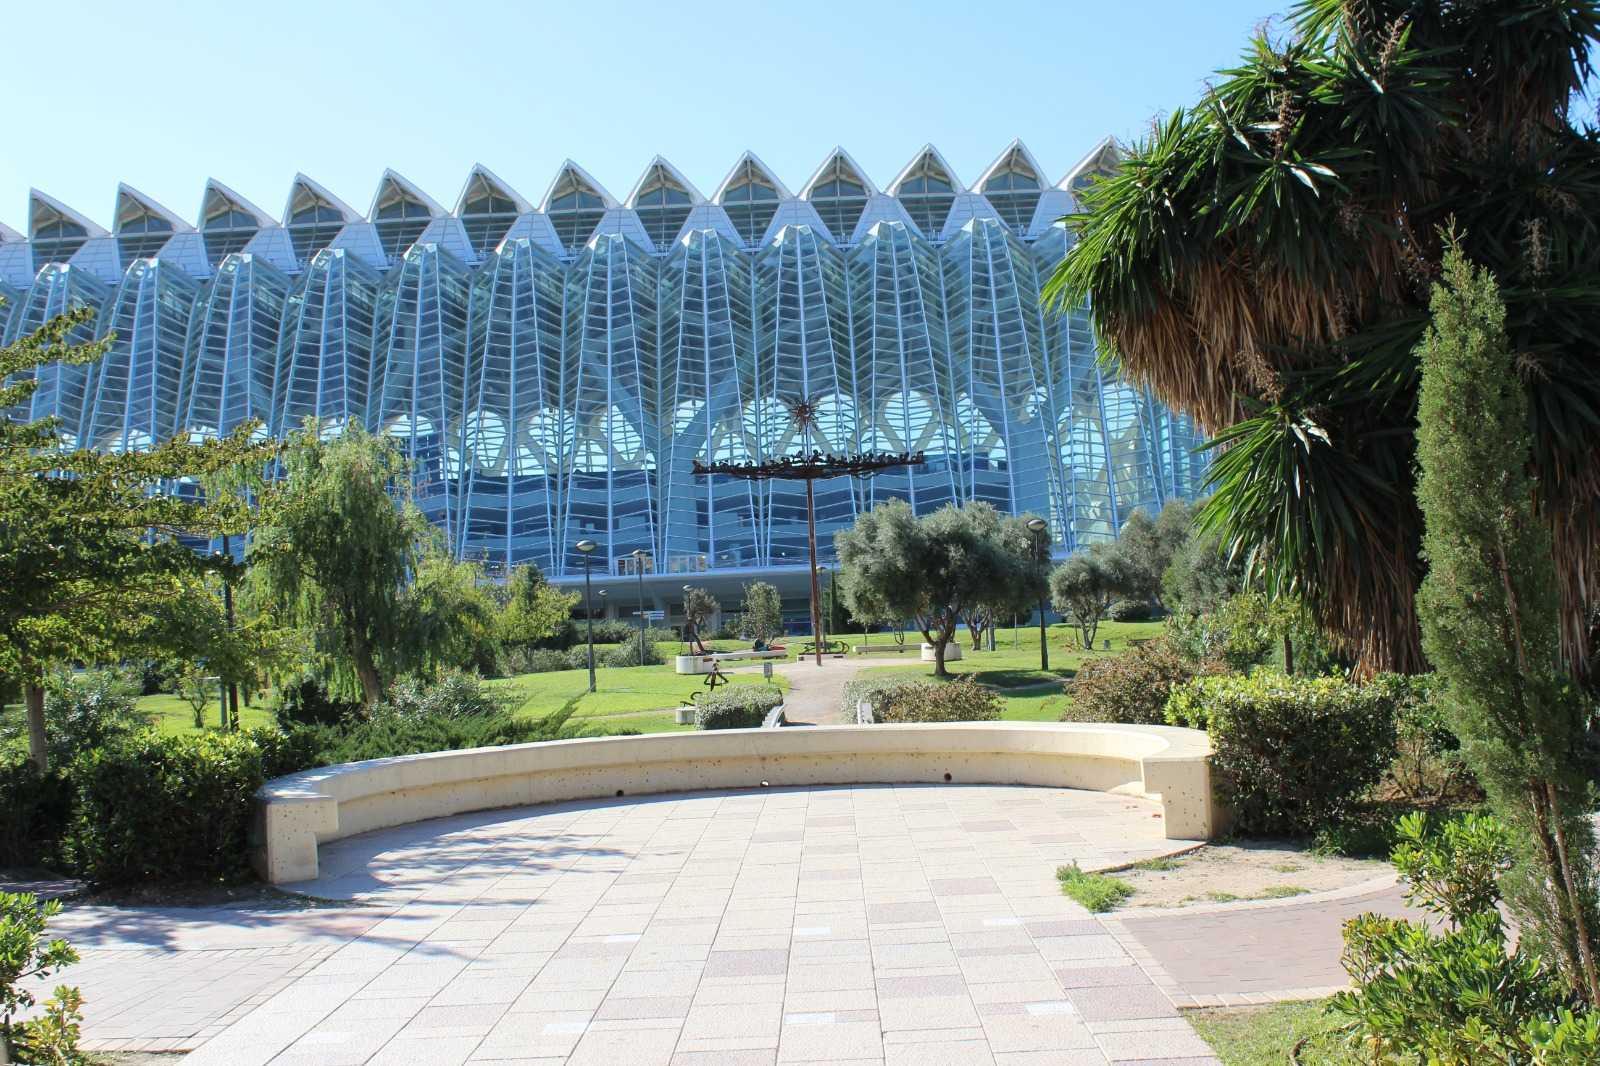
pixel 1256 869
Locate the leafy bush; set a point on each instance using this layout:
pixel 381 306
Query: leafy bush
pixel 578 658
pixel 85 711
pixel 1428 766
pixel 34 811
pixel 962 700
pixel 628 655
pixel 387 737
pixel 1095 892
pixel 538 660
pixel 1292 754
pixel 453 695
pixel 308 702
pixel 618 631
pixel 26 956
pixel 1131 611
pixel 1460 997
pixel 1131 688
pixel 165 808
pixel 861 688
pixel 736 707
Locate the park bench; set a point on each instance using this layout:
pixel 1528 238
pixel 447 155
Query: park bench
pixel 873 649
pixel 829 647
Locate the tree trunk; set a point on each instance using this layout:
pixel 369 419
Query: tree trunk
pixel 367 671
pixel 33 697
pixel 938 658
pixel 1288 654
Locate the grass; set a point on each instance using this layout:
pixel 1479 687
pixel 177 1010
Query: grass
pixel 172 715
pixel 1095 892
pixel 1015 661
pixel 1264 1036
pixel 622 693
pixel 1157 865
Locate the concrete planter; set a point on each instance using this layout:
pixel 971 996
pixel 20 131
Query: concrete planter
pixel 683 715
pixel 692 664
pixel 952 652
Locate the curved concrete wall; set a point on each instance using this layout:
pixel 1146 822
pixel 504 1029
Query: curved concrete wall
pixel 296 813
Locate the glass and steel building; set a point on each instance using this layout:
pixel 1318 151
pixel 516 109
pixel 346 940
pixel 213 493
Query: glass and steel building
pixel 553 370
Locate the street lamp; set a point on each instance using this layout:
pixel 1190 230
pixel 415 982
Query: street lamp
pixel 638 566
pixel 586 547
pixel 1036 526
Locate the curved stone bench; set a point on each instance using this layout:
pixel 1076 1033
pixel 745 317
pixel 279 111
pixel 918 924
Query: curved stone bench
pixel 296 813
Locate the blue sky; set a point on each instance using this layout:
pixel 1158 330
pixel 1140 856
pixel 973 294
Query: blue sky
pixel 163 95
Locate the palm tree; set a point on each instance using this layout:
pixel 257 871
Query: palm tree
pixel 1263 261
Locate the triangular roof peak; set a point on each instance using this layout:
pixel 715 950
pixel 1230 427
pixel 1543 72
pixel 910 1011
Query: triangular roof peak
pixel 133 204
pixel 44 209
pixel 217 197
pixel 7 234
pixel 481 177
pixel 573 177
pixel 928 161
pixel 1014 157
pixel 303 190
pixel 394 186
pixel 1101 160
pixel 660 172
pixel 750 163
pixel 838 164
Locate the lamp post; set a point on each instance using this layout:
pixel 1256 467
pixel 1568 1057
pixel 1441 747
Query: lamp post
pixel 587 547
pixel 1036 526
pixel 638 566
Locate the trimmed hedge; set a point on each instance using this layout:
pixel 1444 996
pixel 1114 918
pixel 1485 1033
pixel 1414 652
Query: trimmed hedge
pixel 34 811
pixel 962 700
pixel 1131 688
pixel 1293 755
pixel 737 707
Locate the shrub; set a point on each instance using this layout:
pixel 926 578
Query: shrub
pixel 165 808
pixel 34 811
pixel 1131 688
pixel 1292 754
pixel 26 956
pixel 87 711
pixel 628 655
pixel 308 702
pixel 618 631
pixel 736 707
pixel 453 695
pixel 387 737
pixel 962 700
pixel 1460 996
pixel 1428 766
pixel 1131 611
pixel 538 661
pixel 1095 892
pixel 578 658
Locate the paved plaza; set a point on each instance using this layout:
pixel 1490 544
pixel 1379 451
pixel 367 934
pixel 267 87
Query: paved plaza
pixel 867 924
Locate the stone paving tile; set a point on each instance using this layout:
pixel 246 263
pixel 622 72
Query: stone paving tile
pixel 875 924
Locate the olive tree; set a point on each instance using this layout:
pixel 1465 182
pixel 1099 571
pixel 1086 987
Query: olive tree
pixel 761 613
pixel 1088 583
pixel 931 569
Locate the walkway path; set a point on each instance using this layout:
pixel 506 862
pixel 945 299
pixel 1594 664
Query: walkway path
pixel 873 924
pixel 816 692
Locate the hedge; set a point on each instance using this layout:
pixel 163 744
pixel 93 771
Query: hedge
pixel 1293 755
pixel 962 700
pixel 737 707
pixel 1131 688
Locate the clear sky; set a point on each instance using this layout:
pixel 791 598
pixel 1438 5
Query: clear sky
pixel 163 95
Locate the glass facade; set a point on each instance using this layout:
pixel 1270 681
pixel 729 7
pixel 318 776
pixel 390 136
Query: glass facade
pixel 553 372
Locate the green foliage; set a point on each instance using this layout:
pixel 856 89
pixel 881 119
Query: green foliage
pixel 546 660
pixel 1490 615
pixel 35 809
pixel 1292 754
pixel 1149 545
pixel 736 707
pixel 26 956
pixel 89 555
pixel 535 610
pixel 198 689
pixel 307 701
pixel 1130 611
pixel 1085 586
pixel 164 808
pixel 1247 630
pixel 1094 892
pixel 454 695
pixel 89 710
pixel 449 620
pixel 1260 258
pixel 389 736
pixel 1428 768
pixel 932 569
pixel 1458 997
pixel 1201 576
pixel 761 613
pixel 1131 688
pixel 628 654
pixel 338 539
pixel 962 700
pixel 1021 578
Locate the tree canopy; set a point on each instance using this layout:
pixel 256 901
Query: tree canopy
pixel 1088 583
pixel 90 561
pixel 1263 260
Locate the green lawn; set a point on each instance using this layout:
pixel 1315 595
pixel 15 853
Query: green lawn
pixel 173 715
pixel 1015 661
pixel 1264 1036
pixel 620 691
